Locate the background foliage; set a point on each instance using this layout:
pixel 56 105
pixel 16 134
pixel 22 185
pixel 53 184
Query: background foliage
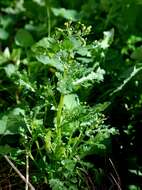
pixel 70 93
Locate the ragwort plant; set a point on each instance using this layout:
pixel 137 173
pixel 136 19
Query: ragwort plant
pixel 49 88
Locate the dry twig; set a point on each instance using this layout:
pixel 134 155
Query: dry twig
pixel 19 173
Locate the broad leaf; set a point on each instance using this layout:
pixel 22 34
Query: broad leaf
pixel 52 62
pixel 23 38
pixel 3 34
pixel 66 13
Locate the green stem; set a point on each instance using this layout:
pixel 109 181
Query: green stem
pixel 59 114
pixel 32 158
pixel 38 148
pixel 48 17
pixel 49 21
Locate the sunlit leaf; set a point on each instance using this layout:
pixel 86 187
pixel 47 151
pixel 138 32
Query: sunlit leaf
pixel 66 13
pixel 71 101
pixel 52 62
pixel 10 69
pixel 3 34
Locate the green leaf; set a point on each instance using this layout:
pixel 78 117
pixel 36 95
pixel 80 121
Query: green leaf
pixel 6 149
pixel 3 34
pixel 84 52
pixel 44 42
pixel 133 187
pixel 23 38
pixel 10 69
pixel 71 101
pixel 52 62
pixel 72 43
pixel 137 54
pixel 69 164
pixel 15 55
pixel 56 184
pixel 131 75
pixel 98 76
pixel 102 106
pixel 136 172
pixel 3 123
pixel 66 13
pixel 11 123
pixel 18 111
pixel 3 59
pixel 107 40
pixel 26 84
pixel 6 53
pixel 64 84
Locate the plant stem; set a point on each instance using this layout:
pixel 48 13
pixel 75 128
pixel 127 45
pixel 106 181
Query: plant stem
pixel 48 17
pixel 49 21
pixel 18 172
pixel 27 171
pixel 59 114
